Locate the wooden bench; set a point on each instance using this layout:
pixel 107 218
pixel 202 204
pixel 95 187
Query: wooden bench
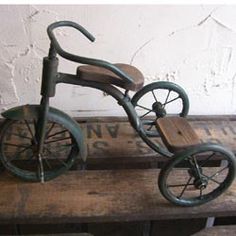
pixel 111 195
pixel 229 230
pixel 79 234
pixel 99 196
pixel 105 136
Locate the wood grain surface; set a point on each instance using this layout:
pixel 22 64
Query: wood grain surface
pixel 111 195
pixel 102 75
pixel 229 230
pixel 104 139
pixel 177 133
pixel 99 196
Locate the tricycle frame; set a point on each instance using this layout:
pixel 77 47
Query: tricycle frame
pixel 122 99
pixel 51 77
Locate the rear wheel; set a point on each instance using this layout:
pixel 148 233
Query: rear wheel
pixel 157 100
pixel 197 175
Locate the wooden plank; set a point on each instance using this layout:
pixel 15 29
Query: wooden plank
pixel 104 138
pixel 99 196
pixel 75 234
pixel 125 119
pixel 229 230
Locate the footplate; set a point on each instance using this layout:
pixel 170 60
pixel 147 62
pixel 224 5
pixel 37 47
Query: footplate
pixel 176 133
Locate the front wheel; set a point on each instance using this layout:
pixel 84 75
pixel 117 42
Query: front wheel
pixel 18 149
pixel 198 175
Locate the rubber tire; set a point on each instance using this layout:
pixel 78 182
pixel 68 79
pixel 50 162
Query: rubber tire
pixel 180 157
pixel 164 85
pixel 29 175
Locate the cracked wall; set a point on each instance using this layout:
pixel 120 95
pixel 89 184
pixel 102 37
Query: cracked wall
pixel 193 46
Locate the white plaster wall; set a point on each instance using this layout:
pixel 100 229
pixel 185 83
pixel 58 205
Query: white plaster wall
pixel 194 46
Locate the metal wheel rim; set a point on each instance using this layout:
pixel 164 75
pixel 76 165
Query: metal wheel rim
pixel 30 175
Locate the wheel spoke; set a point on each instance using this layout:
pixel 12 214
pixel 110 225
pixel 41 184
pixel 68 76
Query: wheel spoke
pixel 166 98
pixel 145 108
pixel 151 125
pixel 18 153
pixel 146 114
pixel 19 135
pixel 182 168
pixel 172 100
pixel 35 124
pixel 209 178
pixel 65 146
pixel 17 145
pixel 217 182
pixel 208 158
pixel 57 140
pixel 30 158
pixel 47 163
pixel 154 96
pixel 58 159
pixel 28 126
pixel 178 185
pixel 26 148
pixel 218 172
pixel 60 132
pixel 50 129
pixel 185 187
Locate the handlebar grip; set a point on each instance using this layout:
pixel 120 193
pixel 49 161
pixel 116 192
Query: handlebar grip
pixel 68 24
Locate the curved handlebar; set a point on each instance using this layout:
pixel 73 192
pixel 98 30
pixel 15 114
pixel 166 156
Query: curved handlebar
pixel 68 24
pixel 79 59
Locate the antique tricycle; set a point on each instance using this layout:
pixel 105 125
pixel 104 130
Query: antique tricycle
pixel 39 143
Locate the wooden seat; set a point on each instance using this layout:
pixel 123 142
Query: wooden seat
pixel 176 133
pixel 102 75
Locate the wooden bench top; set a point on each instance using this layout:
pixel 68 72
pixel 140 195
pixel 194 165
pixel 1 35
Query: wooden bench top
pixel 229 230
pixel 72 234
pixel 177 133
pixel 99 196
pixel 106 136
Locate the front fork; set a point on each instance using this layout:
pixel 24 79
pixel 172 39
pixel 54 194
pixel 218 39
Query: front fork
pixel 40 134
pixel 50 65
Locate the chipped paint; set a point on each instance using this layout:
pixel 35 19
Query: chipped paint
pixel 193 46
